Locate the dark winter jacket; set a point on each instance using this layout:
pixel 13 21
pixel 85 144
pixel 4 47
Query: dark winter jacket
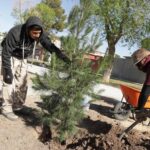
pixel 13 43
pixel 146 69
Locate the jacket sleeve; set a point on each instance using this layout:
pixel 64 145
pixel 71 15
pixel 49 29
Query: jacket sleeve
pixel 7 48
pixel 46 43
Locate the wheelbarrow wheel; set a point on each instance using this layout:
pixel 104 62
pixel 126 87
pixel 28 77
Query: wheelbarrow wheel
pixel 122 111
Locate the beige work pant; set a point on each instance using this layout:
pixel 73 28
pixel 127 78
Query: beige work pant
pixel 15 94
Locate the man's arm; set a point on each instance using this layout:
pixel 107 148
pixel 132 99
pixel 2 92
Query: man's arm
pixel 7 45
pixel 46 43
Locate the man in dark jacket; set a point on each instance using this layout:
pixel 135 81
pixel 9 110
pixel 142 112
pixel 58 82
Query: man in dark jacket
pixel 18 45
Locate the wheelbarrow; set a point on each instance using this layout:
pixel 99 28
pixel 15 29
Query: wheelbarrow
pixel 129 102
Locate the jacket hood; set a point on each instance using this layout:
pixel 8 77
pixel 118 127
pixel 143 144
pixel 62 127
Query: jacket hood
pixel 33 20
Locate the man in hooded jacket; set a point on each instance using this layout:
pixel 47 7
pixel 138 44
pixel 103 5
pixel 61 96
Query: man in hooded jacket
pixel 19 44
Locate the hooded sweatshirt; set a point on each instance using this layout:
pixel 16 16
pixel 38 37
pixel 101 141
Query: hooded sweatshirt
pixel 18 43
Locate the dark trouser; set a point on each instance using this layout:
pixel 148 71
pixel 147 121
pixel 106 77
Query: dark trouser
pixel 145 93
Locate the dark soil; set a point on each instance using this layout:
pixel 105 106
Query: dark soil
pixel 100 131
pixel 103 136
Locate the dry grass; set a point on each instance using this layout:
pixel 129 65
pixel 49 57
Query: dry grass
pixel 116 83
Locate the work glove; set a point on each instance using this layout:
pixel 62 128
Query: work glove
pixel 7 75
pixel 67 60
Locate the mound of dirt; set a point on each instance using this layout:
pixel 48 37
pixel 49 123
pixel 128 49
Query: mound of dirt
pixel 133 141
pixel 103 136
pixel 100 131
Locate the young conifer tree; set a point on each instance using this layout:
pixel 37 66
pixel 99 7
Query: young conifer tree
pixel 62 106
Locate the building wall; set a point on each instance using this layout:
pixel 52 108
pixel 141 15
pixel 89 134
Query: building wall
pixel 124 69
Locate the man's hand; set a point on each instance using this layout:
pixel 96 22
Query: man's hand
pixel 7 76
pixel 67 60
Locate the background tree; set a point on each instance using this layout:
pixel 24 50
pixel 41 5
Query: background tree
pixel 44 12
pixel 120 21
pixel 81 29
pixel 145 43
pixel 60 17
pixel 49 11
pixel 18 10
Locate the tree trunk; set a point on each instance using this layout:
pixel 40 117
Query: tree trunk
pixel 107 74
pixel 111 54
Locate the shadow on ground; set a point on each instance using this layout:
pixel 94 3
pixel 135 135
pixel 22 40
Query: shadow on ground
pixel 30 116
pixel 95 127
pixel 104 110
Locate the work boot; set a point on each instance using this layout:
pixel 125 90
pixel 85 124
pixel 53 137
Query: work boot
pixel 8 112
pixel 17 107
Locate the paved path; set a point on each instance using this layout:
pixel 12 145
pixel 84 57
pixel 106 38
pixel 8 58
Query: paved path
pixel 99 89
pixel 108 91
